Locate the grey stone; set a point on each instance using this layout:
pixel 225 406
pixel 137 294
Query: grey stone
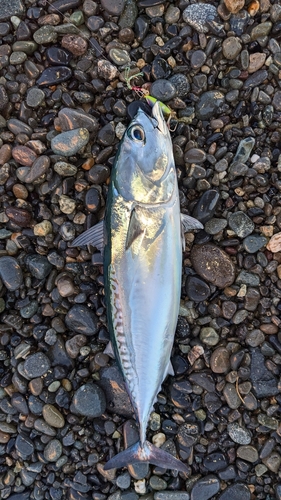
pixel 89 401
pixel 197 15
pixel 239 434
pixel 10 8
pixel 209 103
pixel 241 224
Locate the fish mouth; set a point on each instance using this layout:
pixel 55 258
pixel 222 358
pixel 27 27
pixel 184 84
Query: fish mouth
pixel 156 119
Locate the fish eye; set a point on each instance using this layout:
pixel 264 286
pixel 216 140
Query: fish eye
pixel 136 133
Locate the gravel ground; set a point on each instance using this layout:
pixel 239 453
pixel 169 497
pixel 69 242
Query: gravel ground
pixel 64 105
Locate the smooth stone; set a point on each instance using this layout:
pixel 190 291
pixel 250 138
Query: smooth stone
pixel 10 273
pixel 74 345
pixel 209 336
pixel 19 127
pixel 274 244
pixel 203 379
pixel 261 30
pixel 263 380
pixel 53 416
pixel 19 216
pixel 114 8
pixel 39 168
pixel 163 90
pixel 273 462
pixel 17 58
pixel 195 155
pixel 24 446
pixel 24 155
pixel 11 8
pixel 70 119
pixel 106 135
pixel 63 6
pixel 231 396
pixel 58 56
pixel 94 23
pixel 35 97
pixel 28 47
pixel 206 206
pixel 81 319
pixel 246 278
pixel 215 226
pixel 53 76
pixel 70 142
pixel 241 224
pixel 248 453
pixel 181 85
pixel 157 483
pixel 244 150
pixel 254 243
pixel 197 59
pixel 45 34
pixel 236 491
pixel 119 56
pixel 92 200
pixel 98 174
pixel 171 495
pixel 256 79
pixel 53 450
pixel 160 69
pixel 215 462
pixel 209 103
pixel 234 6
pixel 219 360
pixel 4 98
pixel 89 401
pixel 117 397
pixel 205 488
pixel 39 266
pixel 65 169
pixel 196 289
pixel 231 47
pixel 75 44
pixel 29 310
pixel 239 434
pixel 197 15
pixel 36 365
pixel 213 264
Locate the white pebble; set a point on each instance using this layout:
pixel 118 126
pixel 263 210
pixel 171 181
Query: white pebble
pixel 140 486
pixel 158 439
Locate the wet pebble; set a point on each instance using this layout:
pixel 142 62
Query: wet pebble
pixel 53 450
pixel 213 265
pixel 236 492
pixel 219 361
pixel 35 97
pixel 53 76
pixel 10 273
pixel 205 488
pixel 239 434
pixel 241 224
pixel 208 104
pixel 70 142
pixel 74 44
pixel 81 319
pixel 254 243
pixel 163 90
pixel 198 14
pixel 206 206
pixel 36 365
pixel 53 416
pixel 196 289
pixel 89 401
pixel 38 266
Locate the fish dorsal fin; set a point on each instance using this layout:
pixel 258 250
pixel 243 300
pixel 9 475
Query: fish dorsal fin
pixel 109 350
pixel 135 230
pixel 188 224
pixel 93 236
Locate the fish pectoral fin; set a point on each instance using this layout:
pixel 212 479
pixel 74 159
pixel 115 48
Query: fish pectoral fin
pixel 135 230
pixel 93 236
pixel 188 224
pixel 109 350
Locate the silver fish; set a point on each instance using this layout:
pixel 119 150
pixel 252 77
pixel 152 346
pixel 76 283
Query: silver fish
pixel 142 240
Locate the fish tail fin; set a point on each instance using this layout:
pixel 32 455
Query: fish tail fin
pixel 145 453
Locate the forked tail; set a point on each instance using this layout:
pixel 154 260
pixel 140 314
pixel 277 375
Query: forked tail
pixel 145 453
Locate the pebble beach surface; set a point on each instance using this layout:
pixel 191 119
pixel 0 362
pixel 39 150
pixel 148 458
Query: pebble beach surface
pixel 64 105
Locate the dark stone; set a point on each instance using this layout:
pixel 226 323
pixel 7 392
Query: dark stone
pixel 180 394
pixel 256 79
pixel 141 28
pixel 81 319
pixel 10 273
pixel 236 492
pixel 205 488
pixel 116 394
pixel 215 462
pixel 58 56
pixel 10 8
pixel 263 380
pixel 39 266
pixel 213 264
pixel 160 69
pixel 204 380
pixel 163 90
pixel 208 104
pixel 24 446
pixel 88 401
pixel 206 206
pixel 71 119
pixel 53 76
pixel 196 289
pixel 36 365
pixel 92 200
pixel 63 6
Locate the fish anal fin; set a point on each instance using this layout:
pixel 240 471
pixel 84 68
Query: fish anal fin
pixel 135 229
pixel 145 453
pixel 93 236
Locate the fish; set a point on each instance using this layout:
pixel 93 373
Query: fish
pixel 141 238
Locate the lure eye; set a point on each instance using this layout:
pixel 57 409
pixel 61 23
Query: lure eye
pixel 136 133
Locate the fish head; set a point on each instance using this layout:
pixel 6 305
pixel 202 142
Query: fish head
pixel 145 169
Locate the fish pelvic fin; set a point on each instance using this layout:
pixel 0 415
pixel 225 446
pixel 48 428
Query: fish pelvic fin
pixel 146 452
